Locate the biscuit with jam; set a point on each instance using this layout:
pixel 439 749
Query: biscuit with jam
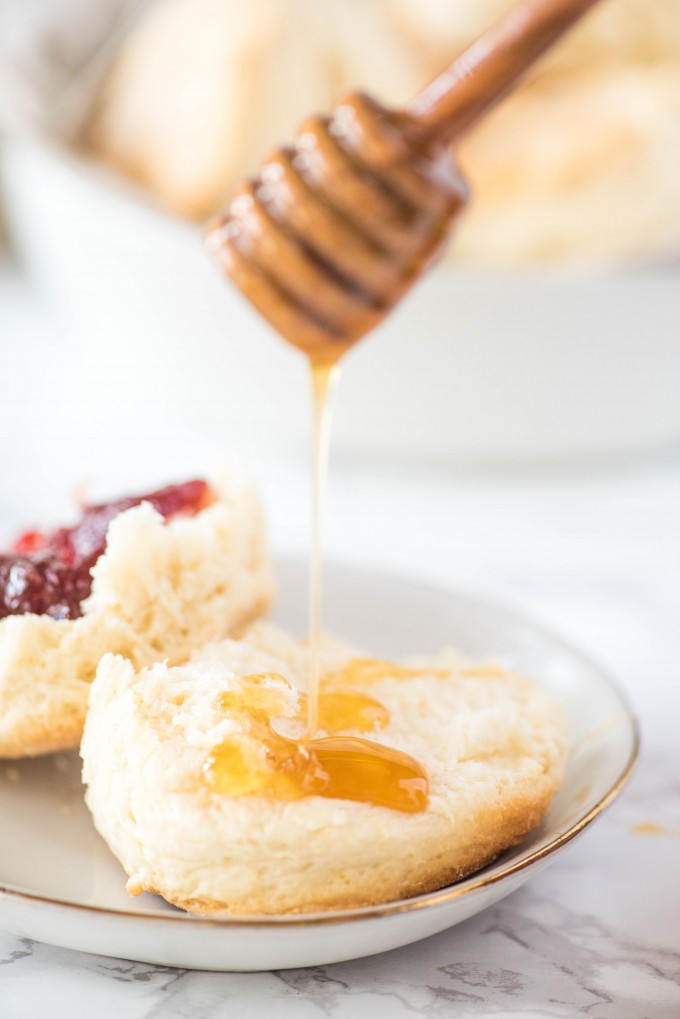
pixel 145 577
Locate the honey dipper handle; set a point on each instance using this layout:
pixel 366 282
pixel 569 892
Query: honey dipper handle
pixel 488 69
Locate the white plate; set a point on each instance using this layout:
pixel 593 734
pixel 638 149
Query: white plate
pixel 60 884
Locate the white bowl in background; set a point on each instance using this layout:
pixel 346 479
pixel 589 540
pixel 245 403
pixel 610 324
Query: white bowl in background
pixel 473 366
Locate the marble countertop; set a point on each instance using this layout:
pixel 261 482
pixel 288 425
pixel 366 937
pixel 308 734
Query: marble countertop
pixel 596 554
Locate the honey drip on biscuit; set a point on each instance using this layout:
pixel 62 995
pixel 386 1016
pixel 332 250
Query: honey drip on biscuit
pixel 262 761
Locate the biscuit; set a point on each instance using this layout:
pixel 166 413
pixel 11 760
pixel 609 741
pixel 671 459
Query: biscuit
pixel 579 171
pixel 493 745
pixel 157 590
pixel 579 166
pixel 613 34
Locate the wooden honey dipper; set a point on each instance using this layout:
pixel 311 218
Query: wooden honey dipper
pixel 336 228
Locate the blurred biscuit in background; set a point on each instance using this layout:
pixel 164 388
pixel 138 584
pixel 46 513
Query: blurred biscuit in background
pixel 202 88
pixel 615 32
pixel 579 165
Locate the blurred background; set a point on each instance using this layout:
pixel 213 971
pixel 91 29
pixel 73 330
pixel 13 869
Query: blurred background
pixel 539 361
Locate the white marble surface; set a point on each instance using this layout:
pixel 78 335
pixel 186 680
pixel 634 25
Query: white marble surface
pixel 595 553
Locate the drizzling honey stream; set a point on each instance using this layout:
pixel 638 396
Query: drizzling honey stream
pixel 324 378
pixel 323 296
pixel 324 242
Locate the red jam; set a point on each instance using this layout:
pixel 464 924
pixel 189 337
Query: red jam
pixel 49 573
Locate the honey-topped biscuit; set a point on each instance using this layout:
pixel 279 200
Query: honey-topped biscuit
pixel 147 578
pixel 202 782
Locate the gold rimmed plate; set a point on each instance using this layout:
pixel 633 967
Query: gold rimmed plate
pixel 60 884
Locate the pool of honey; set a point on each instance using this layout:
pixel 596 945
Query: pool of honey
pixel 263 761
